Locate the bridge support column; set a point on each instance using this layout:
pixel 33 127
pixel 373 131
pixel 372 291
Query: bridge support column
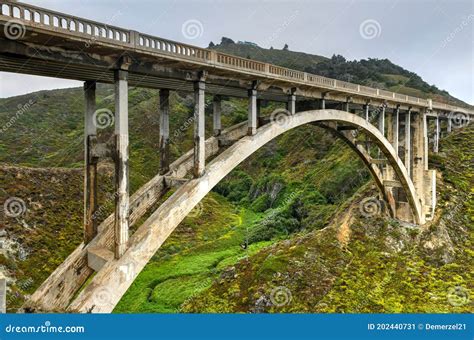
pixel 425 139
pixel 419 156
pixel 199 128
pixel 408 142
pixel 366 107
pixel 396 129
pixel 121 163
pixel 450 125
pixel 259 111
pixel 252 114
pixel 291 105
pixel 90 171
pixel 216 114
pixel 382 121
pixel 436 136
pixel 164 131
pixel 388 169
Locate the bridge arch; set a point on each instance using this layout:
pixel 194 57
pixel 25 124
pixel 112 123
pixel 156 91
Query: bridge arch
pixel 113 280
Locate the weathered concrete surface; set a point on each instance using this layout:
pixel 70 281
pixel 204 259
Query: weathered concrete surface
pixel 122 182
pixel 199 128
pixel 90 169
pixel 109 284
pixel 164 144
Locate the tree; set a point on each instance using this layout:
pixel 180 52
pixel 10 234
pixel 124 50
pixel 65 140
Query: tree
pixel 226 40
pixel 285 48
pixel 211 44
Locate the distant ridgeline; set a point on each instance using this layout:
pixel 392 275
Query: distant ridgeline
pixel 377 73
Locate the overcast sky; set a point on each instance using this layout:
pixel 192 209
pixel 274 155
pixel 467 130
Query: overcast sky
pixel 433 38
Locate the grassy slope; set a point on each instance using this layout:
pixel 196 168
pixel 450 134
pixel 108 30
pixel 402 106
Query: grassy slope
pixel 366 265
pixel 206 247
pixel 50 228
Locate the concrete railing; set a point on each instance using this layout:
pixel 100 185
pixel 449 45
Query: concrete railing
pixel 99 32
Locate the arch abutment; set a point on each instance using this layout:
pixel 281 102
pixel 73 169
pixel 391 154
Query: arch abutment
pixel 199 127
pixel 252 110
pixel 216 115
pixel 164 144
pixel 121 225
pixel 90 169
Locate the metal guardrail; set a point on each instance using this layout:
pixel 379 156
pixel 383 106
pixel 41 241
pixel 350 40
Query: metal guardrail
pixel 100 32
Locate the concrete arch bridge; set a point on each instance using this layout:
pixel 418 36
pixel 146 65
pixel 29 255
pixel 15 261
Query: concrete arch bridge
pixel 93 278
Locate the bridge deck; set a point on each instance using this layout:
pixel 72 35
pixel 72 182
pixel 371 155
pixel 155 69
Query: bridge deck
pixel 55 44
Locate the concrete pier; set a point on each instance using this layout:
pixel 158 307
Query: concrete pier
pixel 216 115
pixel 90 170
pixel 121 163
pixel 252 111
pixel 164 131
pixel 408 141
pixel 199 128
